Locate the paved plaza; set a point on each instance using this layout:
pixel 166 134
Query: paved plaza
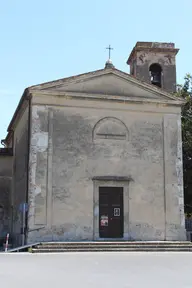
pixel 146 270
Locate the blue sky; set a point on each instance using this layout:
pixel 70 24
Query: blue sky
pixel 47 40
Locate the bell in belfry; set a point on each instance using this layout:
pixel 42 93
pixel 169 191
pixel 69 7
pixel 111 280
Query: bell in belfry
pixel 155 71
pixel 156 77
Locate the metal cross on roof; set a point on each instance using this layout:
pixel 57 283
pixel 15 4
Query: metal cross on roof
pixel 109 48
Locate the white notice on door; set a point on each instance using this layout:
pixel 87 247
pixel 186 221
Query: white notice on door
pixel 116 211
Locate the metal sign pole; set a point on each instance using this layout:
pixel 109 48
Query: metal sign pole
pixel 23 225
pixel 23 208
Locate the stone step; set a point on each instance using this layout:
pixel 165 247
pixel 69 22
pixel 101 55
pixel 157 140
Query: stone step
pixel 110 246
pixel 118 242
pixel 48 247
pixel 72 244
pixel 127 249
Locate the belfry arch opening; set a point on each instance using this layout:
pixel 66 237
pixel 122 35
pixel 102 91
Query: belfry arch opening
pixel 156 74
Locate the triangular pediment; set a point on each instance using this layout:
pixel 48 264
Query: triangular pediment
pixel 106 82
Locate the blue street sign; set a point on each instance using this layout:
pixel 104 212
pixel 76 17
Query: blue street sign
pixel 23 207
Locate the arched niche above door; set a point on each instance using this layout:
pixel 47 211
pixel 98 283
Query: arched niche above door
pixel 110 128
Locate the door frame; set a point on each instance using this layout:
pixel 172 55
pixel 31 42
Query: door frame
pixel 113 182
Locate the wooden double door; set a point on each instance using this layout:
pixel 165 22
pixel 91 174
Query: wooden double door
pixel 111 220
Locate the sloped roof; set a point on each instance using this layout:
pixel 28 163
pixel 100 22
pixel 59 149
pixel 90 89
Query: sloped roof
pixel 74 81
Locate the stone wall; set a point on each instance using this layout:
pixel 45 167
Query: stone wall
pixel 167 62
pixel 72 145
pixel 20 170
pixel 39 186
pixel 5 192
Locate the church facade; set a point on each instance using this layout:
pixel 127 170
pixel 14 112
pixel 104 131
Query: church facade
pixel 98 156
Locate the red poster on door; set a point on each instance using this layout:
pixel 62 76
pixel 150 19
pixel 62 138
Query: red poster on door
pixel 104 220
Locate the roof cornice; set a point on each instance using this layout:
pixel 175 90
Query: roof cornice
pixel 43 89
pixel 97 73
pixel 104 97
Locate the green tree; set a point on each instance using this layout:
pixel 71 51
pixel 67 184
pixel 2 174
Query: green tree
pixel 185 91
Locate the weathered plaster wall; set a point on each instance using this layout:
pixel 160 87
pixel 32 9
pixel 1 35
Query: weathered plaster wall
pixel 38 161
pixel 71 145
pixel 175 219
pixel 20 170
pixel 5 194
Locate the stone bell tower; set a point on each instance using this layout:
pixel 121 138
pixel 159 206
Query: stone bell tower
pixel 154 63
